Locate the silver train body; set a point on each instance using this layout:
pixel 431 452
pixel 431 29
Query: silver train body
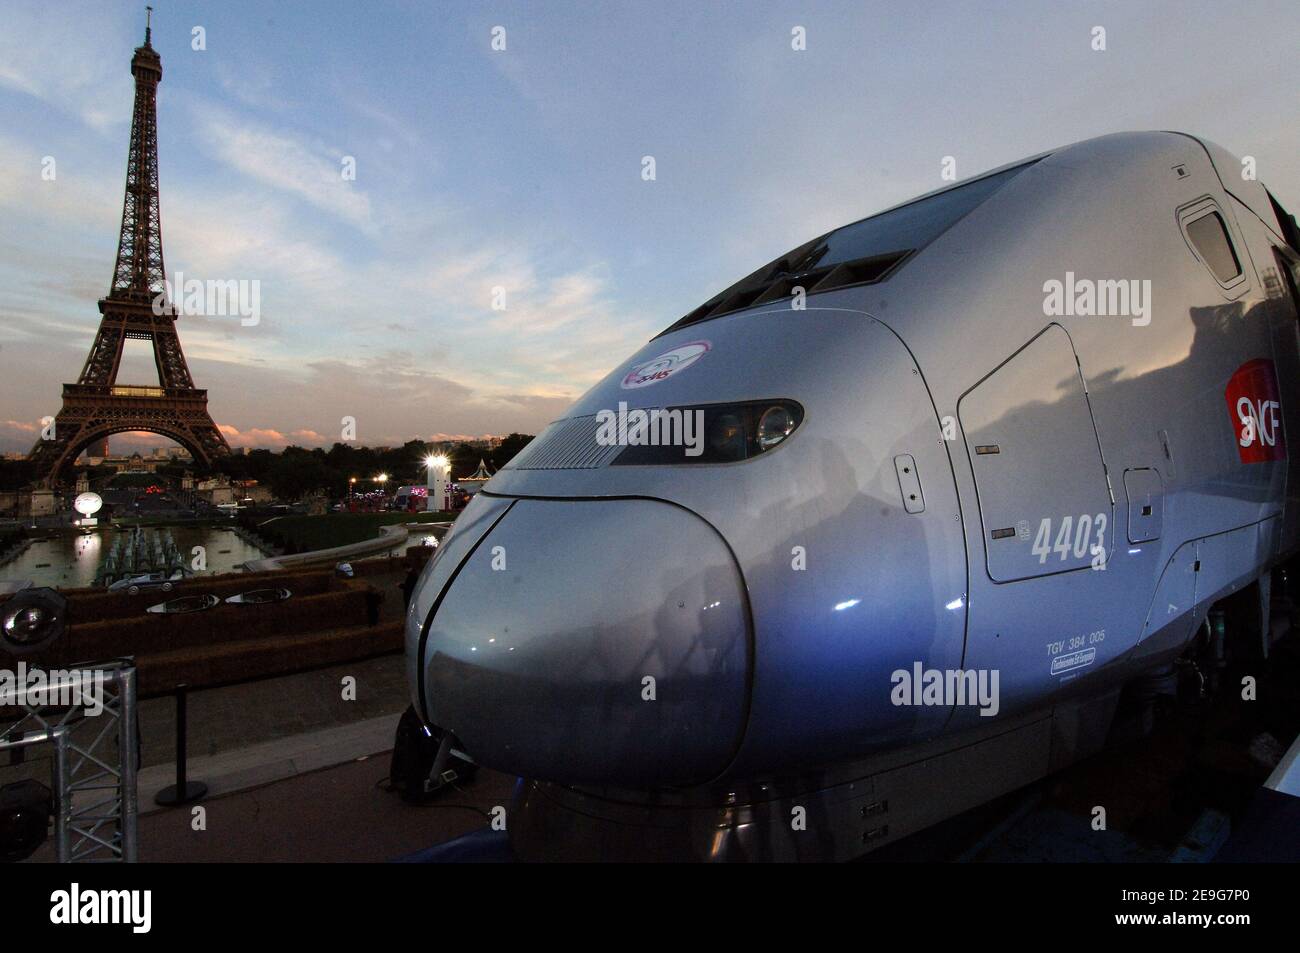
pixel 993 470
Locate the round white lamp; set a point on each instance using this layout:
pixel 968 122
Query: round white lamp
pixel 88 504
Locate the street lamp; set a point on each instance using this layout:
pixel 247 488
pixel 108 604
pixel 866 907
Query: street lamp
pixel 439 468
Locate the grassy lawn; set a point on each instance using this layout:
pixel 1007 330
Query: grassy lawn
pixel 303 534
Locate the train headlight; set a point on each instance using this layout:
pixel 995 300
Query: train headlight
pixel 774 426
pixel 710 433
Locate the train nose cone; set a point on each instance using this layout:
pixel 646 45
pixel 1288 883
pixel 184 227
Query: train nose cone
pixel 588 641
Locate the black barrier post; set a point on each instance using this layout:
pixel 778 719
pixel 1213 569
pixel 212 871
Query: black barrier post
pixel 183 791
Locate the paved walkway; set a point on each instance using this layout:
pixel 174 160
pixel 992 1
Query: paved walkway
pixel 337 814
pixel 237 716
pixel 270 761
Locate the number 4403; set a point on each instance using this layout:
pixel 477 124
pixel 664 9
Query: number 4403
pixel 1076 536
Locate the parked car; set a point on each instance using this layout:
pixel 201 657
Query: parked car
pixel 150 580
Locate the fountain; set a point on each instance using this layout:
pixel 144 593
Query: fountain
pixel 137 552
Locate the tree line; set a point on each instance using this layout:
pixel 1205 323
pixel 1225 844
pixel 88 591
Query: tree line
pixel 294 472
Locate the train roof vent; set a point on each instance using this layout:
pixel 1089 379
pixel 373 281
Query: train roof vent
pixel 861 271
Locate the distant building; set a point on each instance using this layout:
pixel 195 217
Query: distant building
pixel 138 463
pixel 216 490
pixel 135 463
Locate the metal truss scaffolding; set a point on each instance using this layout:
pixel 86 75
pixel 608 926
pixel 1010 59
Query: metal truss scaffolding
pixel 95 756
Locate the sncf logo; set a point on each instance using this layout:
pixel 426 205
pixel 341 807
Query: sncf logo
pixel 1256 412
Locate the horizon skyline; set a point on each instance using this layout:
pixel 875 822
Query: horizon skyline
pixel 530 162
pixel 133 441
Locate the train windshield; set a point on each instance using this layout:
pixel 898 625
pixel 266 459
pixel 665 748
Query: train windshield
pixel 909 226
pixel 862 252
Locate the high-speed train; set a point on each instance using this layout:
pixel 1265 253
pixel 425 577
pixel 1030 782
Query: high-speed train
pixel 905 517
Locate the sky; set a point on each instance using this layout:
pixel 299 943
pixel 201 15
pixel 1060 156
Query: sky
pixel 516 176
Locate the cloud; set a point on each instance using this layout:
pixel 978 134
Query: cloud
pixel 256 85
pixel 253 437
pixel 130 440
pixel 72 74
pixel 19 425
pixel 308 170
pixel 460 437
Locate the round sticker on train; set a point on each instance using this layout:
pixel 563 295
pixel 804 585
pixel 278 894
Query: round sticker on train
pixel 665 365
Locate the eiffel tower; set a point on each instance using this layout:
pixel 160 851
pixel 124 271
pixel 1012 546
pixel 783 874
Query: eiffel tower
pixel 97 406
